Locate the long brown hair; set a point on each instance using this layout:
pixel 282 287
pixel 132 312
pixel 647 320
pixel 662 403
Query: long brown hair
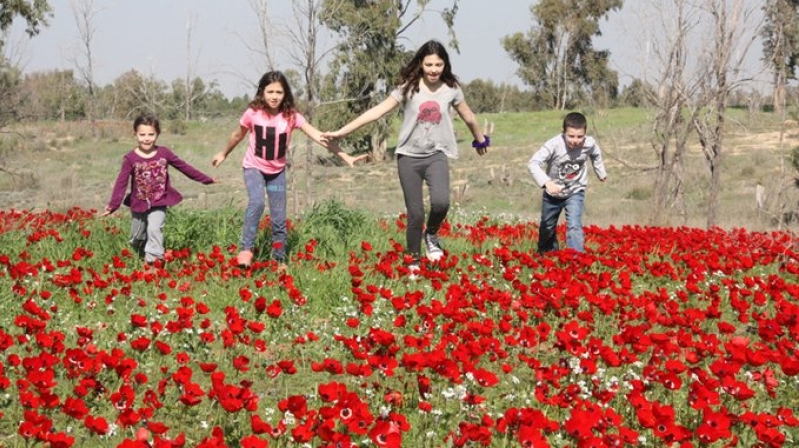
pixel 286 107
pixel 412 72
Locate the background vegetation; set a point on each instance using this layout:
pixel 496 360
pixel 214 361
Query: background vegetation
pixel 72 168
pixel 689 142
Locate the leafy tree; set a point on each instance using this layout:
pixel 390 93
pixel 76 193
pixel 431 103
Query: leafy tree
pixel 487 97
pixel 369 58
pixel 52 95
pixel 638 94
pixel 35 13
pixel 781 45
pixel 557 57
pixel 10 78
pixel 193 99
pixel 133 93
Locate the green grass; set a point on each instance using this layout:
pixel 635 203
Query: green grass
pixel 71 167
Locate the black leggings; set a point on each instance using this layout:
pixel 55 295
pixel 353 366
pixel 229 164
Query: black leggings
pixel 434 170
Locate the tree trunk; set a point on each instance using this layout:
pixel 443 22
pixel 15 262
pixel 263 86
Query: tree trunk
pixel 379 147
pixel 309 196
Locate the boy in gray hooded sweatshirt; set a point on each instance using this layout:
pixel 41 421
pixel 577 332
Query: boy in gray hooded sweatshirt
pixel 560 168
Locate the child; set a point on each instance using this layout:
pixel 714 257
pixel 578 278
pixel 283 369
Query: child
pixel 270 119
pixel 151 192
pixel 426 90
pixel 559 167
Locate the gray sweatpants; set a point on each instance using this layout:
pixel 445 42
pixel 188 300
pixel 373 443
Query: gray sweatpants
pixel 147 233
pixel 413 173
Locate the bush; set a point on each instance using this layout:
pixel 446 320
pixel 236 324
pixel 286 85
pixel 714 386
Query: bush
pixel 334 227
pixel 639 194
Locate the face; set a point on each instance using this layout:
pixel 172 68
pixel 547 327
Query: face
pixel 146 137
pixel 432 67
pixel 574 137
pixel 273 95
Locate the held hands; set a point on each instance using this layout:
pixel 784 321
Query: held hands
pixel 351 161
pixel 332 135
pixel 482 147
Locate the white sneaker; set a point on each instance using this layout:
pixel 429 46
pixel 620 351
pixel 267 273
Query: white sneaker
pixel 414 270
pixel 434 250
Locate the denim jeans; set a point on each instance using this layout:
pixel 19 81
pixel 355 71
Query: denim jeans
pixel 147 233
pixel 550 212
pixel 413 172
pixel 275 186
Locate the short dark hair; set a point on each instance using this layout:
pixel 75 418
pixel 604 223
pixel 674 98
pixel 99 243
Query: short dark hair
pixel 147 119
pixel 575 120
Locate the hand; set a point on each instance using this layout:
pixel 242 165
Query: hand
pixel 332 135
pixel 107 212
pixel 553 188
pixel 482 147
pixel 351 161
pixel 218 159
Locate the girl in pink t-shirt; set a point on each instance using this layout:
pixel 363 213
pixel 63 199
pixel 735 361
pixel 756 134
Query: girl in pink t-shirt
pixel 269 121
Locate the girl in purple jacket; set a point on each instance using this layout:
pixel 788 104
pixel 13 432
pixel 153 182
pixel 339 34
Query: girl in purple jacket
pixel 145 168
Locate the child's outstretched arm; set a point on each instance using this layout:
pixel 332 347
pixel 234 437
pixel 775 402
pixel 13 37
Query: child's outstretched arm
pixel 235 137
pixel 365 118
pixel 481 141
pixel 120 187
pixel 316 135
pixel 187 170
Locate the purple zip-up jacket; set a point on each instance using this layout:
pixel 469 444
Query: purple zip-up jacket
pixel 149 181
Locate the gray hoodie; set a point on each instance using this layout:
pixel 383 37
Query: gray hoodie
pixel 554 161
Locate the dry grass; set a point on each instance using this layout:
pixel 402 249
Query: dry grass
pixel 67 166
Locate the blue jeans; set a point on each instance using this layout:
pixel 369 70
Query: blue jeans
pixel 550 212
pixel 275 186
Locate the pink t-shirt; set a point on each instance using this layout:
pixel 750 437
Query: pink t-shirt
pixel 269 139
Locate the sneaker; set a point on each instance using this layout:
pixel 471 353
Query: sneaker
pixel 414 269
pixel 282 268
pixel 434 250
pixel 244 260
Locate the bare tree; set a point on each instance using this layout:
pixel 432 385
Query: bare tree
pixel 84 13
pixel 672 103
pixel 691 90
pixel 735 30
pixel 261 45
pixel 306 52
pixel 193 94
pixel 188 100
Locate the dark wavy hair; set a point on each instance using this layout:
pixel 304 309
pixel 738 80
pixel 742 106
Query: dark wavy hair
pixel 286 107
pixel 147 119
pixel 412 72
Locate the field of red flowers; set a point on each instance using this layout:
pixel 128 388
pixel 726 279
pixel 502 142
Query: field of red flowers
pixel 654 337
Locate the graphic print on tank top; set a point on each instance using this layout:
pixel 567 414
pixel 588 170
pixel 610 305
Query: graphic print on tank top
pixel 428 119
pixel 269 145
pixel 150 176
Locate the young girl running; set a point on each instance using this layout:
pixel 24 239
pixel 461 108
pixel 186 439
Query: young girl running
pixel 151 192
pixel 426 90
pixel 269 120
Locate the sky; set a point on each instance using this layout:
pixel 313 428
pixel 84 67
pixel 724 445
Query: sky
pixel 150 36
